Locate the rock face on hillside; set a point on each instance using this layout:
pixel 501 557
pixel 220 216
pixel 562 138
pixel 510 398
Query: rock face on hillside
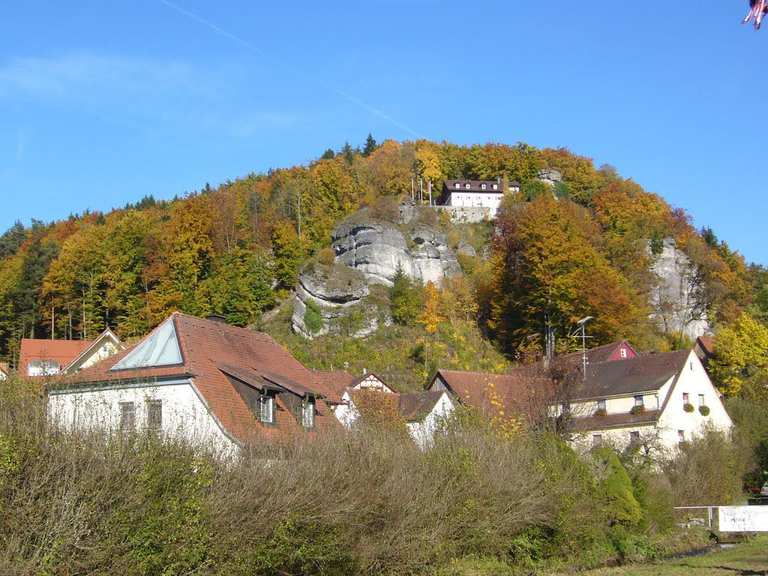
pixel 378 249
pixel 329 299
pixel 677 300
pixel 350 296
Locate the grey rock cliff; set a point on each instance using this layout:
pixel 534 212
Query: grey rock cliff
pixel 678 303
pixel 378 249
pixel 368 252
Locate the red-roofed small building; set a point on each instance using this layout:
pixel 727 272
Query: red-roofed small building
pixel 40 358
pixel 202 380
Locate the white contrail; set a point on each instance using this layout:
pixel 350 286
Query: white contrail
pixel 252 47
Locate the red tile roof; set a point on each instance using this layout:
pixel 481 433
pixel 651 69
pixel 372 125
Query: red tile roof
pixel 209 349
pixel 63 352
pixel 522 390
pixel 416 406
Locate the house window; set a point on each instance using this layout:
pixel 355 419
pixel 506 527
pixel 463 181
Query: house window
pixel 601 405
pixel 457 186
pixel 597 440
pixel 702 402
pixel 467 186
pixel 681 435
pixel 634 437
pixel 623 353
pixel 155 415
pixel 43 368
pixel 565 409
pixel 495 186
pixel 686 398
pixel 308 414
pixel 267 409
pixel 483 186
pixel 639 403
pixel 127 416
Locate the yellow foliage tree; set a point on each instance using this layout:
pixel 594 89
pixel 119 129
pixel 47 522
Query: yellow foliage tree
pixel 741 354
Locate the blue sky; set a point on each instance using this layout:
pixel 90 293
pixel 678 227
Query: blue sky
pixel 102 102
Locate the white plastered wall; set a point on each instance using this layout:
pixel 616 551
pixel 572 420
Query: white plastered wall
pixel 490 200
pixel 184 414
pixel 693 380
pixel 423 432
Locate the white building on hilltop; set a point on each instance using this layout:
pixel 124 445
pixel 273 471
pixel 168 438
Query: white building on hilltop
pixel 476 194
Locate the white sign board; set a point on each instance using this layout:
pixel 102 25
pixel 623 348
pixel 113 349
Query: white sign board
pixel 743 518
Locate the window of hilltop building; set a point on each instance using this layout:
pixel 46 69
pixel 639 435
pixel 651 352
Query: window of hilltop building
pixel 686 398
pixel 155 416
pixel 495 186
pixel 267 409
pixel 127 416
pixel 467 186
pixel 308 414
pixel 597 440
pixel 634 437
pixel 457 186
pixel 639 402
pixel 483 186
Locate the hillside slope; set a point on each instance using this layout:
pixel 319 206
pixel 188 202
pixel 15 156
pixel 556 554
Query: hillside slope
pixel 237 249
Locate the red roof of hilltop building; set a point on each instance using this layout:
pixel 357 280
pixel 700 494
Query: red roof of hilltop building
pixel 230 368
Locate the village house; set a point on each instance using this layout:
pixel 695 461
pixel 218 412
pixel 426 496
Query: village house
pixel 5 372
pixel 475 194
pixel 659 400
pixel 655 399
pixel 201 380
pixel 422 412
pixel 41 358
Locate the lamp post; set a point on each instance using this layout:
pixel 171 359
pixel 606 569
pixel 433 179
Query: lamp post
pixel 582 324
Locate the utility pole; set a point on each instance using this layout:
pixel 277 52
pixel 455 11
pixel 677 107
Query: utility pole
pixel 53 322
pixel 429 187
pixel 582 324
pixel 413 190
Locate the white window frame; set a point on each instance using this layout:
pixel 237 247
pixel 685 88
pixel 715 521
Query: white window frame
pixel 154 415
pixel 127 416
pixel 308 414
pixel 267 409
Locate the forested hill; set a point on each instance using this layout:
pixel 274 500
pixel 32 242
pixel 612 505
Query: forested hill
pixel 236 249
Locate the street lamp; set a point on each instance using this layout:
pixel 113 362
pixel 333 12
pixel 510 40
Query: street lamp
pixel 582 324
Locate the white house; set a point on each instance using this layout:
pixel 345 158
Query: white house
pixel 657 399
pixel 201 380
pixel 474 194
pixel 40 358
pixel 422 411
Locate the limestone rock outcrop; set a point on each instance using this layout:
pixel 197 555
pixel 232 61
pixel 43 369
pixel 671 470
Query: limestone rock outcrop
pixel 368 253
pixel 378 249
pixel 679 306
pixel 332 298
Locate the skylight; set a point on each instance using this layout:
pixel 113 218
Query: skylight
pixel 161 348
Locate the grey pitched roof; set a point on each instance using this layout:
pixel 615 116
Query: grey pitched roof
pixel 642 374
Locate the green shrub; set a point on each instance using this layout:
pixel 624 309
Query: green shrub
pixel 405 299
pixel 621 505
pixel 704 410
pixel 688 407
pixel 637 410
pixel 313 318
